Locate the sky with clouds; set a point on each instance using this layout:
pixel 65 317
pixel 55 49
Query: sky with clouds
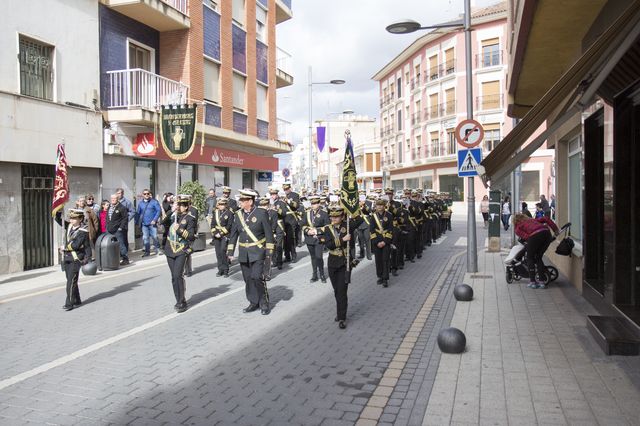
pixel 346 39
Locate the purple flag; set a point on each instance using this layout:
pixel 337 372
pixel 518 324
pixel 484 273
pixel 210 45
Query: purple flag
pixel 320 131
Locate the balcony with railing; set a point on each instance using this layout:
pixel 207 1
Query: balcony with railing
pixel 284 130
pixel 141 89
pixel 449 67
pixel 448 108
pixel 387 100
pixel 488 102
pixel 489 59
pixel 415 82
pixel 416 118
pixel 433 112
pixel 433 73
pixel 163 15
pixel 283 11
pixel 284 68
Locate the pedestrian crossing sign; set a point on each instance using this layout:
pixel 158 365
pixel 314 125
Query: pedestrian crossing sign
pixel 468 161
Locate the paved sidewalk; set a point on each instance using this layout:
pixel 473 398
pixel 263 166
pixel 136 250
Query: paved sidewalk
pixel 530 360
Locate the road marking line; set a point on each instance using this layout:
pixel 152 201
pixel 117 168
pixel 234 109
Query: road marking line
pixel 440 240
pixel 380 396
pixel 111 340
pixel 462 241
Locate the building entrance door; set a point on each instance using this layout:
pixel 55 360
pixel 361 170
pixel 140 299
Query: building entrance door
pixel 37 233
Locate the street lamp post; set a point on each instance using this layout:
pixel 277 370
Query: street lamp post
pixel 410 26
pixel 310 95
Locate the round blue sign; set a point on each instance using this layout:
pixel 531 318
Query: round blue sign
pixel 286 173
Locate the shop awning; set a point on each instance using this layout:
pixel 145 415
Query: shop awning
pixel 569 94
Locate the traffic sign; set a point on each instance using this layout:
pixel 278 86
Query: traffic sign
pixel 469 133
pixel 468 161
pixel 286 173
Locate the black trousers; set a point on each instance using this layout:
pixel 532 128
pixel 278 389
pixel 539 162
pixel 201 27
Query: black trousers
pixel 220 246
pixel 317 263
pixel 382 260
pixel 279 250
pixel 255 286
pixel 537 244
pixel 410 245
pixel 289 241
pixel 72 271
pixel 364 241
pixel 401 247
pixel 428 232
pixel 419 239
pixel 176 265
pixel 337 276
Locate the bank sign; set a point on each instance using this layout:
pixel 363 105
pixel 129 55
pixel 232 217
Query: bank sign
pixel 224 158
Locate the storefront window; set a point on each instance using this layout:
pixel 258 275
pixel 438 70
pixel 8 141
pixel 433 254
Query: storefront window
pixel 454 185
pixel 221 176
pixel 575 188
pixel 247 178
pixel 412 183
pixel 530 187
pixel 427 182
pixel 397 184
pixel 188 173
pixel 144 177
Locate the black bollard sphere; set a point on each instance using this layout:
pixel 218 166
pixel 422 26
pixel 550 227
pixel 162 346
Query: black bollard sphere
pixel 452 341
pixel 90 268
pixel 463 292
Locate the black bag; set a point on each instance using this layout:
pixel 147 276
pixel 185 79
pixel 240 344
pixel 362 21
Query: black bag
pixel 565 247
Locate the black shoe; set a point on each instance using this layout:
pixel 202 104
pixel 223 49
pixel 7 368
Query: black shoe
pixel 124 262
pixel 265 311
pixel 189 274
pixel 250 308
pixel 287 259
pixel 279 267
pixel 294 258
pixel 379 281
pixel 313 279
pixel 219 274
pixel 361 256
pixel 394 272
pixel 342 325
pixel 385 283
pixel 323 278
pixel 336 319
pixel 419 256
pixel 146 254
pixel 182 307
pixel 77 304
pixel 226 274
pixel 67 307
pixel 368 257
pixel 412 261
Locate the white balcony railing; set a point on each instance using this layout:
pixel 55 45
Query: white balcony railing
pixel 143 89
pixel 180 5
pixel 284 130
pixel 283 61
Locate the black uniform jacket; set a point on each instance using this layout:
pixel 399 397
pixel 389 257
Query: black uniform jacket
pixel 76 241
pixel 119 219
pixel 221 222
pixel 313 219
pixel 331 236
pixel 291 208
pixel 253 234
pixel 181 234
pixel 416 210
pixel 381 227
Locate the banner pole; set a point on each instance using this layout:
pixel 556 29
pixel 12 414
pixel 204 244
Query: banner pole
pixel 177 179
pixel 348 247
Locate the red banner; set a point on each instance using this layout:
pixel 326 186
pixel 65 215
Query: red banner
pixel 224 158
pixel 61 185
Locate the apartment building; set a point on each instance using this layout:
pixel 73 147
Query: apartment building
pixel 221 55
pixel 423 98
pixel 49 94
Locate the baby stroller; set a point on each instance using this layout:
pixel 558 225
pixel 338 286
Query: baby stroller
pixel 516 266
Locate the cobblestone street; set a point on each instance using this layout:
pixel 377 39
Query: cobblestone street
pixel 125 357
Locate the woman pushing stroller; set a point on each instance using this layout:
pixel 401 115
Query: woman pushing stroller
pixel 536 234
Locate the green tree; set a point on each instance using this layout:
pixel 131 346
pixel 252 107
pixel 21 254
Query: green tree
pixel 198 196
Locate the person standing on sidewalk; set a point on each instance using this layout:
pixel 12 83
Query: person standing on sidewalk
pixel 76 251
pixel 91 202
pixel 117 218
pixel 484 209
pixel 506 212
pixel 131 213
pixel 147 216
pixel 312 221
pixel 364 239
pixel 381 237
pixel 537 237
pixel 252 232
pixel 221 222
pixel 182 232
pixel 280 207
pixel 336 238
pixel 292 202
pixel 210 207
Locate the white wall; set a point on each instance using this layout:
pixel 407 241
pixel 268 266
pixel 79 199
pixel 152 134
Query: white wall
pixel 71 26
